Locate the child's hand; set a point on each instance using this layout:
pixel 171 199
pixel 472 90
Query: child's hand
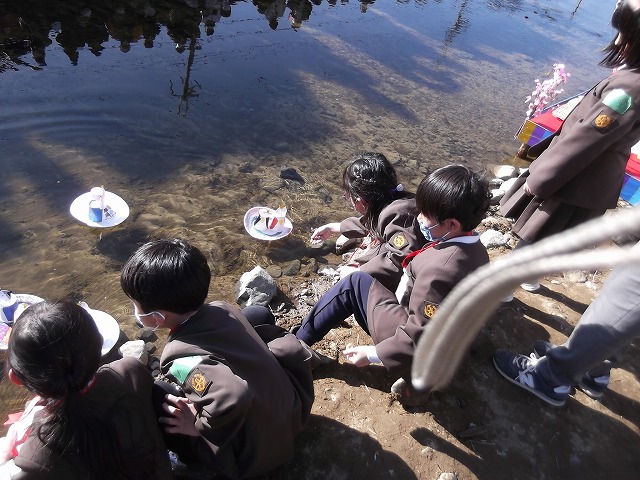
pixel 359 355
pixel 322 233
pixel 183 416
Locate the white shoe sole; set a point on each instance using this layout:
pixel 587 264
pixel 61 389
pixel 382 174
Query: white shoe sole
pixel 530 287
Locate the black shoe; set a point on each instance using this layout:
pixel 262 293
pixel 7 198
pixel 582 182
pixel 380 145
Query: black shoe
pixel 594 386
pixel 541 347
pixel 295 328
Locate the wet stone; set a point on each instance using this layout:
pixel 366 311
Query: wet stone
pixel 247 168
pixel 270 184
pixel 135 349
pixel 289 173
pixel 504 172
pixel 324 195
pixel 274 270
pixel 292 269
pixel 154 363
pixel 506 186
pixel 147 334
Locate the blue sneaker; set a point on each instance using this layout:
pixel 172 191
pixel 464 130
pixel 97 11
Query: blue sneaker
pixel 541 347
pixel 594 387
pixel 520 370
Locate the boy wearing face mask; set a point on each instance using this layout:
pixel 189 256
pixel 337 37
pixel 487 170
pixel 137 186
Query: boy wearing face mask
pixel 243 387
pixel 452 201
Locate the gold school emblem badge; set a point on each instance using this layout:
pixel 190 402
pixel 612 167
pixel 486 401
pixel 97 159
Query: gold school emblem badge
pixel 429 309
pixel 602 121
pixel 399 241
pixel 198 382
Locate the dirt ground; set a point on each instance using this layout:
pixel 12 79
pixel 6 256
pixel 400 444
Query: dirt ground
pixel 481 426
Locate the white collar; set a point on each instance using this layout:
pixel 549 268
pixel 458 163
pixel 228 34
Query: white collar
pixel 464 239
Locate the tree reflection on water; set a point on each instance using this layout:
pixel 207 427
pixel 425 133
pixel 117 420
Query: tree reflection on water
pixel 28 26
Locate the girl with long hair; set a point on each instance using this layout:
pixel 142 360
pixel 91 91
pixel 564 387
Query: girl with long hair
pixel 579 176
pixel 96 422
pixel 386 221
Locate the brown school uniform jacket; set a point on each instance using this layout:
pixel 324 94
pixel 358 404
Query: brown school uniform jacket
pixel 400 235
pixel 121 395
pixel 396 326
pixel 251 399
pixel 584 164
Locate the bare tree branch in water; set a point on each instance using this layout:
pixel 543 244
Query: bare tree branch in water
pixel 188 91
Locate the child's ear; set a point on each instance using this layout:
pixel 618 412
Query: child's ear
pixel 14 378
pixel 453 225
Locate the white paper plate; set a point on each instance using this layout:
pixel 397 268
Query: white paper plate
pixel 107 326
pixel 80 210
pixel 26 300
pixel 250 217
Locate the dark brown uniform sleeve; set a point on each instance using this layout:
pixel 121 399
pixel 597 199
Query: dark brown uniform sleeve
pixel 400 235
pixel 593 146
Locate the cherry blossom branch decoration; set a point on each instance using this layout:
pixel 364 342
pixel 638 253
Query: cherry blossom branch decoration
pixel 545 92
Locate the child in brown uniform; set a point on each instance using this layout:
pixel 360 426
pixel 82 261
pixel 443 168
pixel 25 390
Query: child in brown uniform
pixel 452 201
pixel 387 220
pixel 247 391
pixel 97 423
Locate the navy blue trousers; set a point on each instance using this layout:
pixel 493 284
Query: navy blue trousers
pixel 259 315
pixel 347 297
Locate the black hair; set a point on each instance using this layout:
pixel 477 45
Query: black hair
pixel 370 176
pixel 170 275
pixel 454 191
pixel 627 23
pixel 55 350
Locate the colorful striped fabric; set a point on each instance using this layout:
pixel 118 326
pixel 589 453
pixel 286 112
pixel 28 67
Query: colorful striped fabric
pixel 536 129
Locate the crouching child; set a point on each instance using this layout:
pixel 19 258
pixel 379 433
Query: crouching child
pixel 243 393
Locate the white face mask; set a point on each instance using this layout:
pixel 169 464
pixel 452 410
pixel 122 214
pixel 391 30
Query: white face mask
pixel 140 316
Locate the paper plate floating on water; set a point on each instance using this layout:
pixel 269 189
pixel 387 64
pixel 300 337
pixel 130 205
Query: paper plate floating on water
pixel 22 301
pixel 267 223
pixel 99 208
pixel 107 326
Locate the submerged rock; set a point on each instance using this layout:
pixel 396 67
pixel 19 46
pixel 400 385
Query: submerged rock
pixel 291 174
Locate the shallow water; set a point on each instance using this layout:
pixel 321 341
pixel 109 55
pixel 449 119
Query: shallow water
pixel 192 137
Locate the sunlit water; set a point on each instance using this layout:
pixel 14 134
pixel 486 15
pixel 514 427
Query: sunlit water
pixel 192 137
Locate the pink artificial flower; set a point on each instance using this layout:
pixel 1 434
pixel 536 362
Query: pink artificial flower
pixel 545 92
